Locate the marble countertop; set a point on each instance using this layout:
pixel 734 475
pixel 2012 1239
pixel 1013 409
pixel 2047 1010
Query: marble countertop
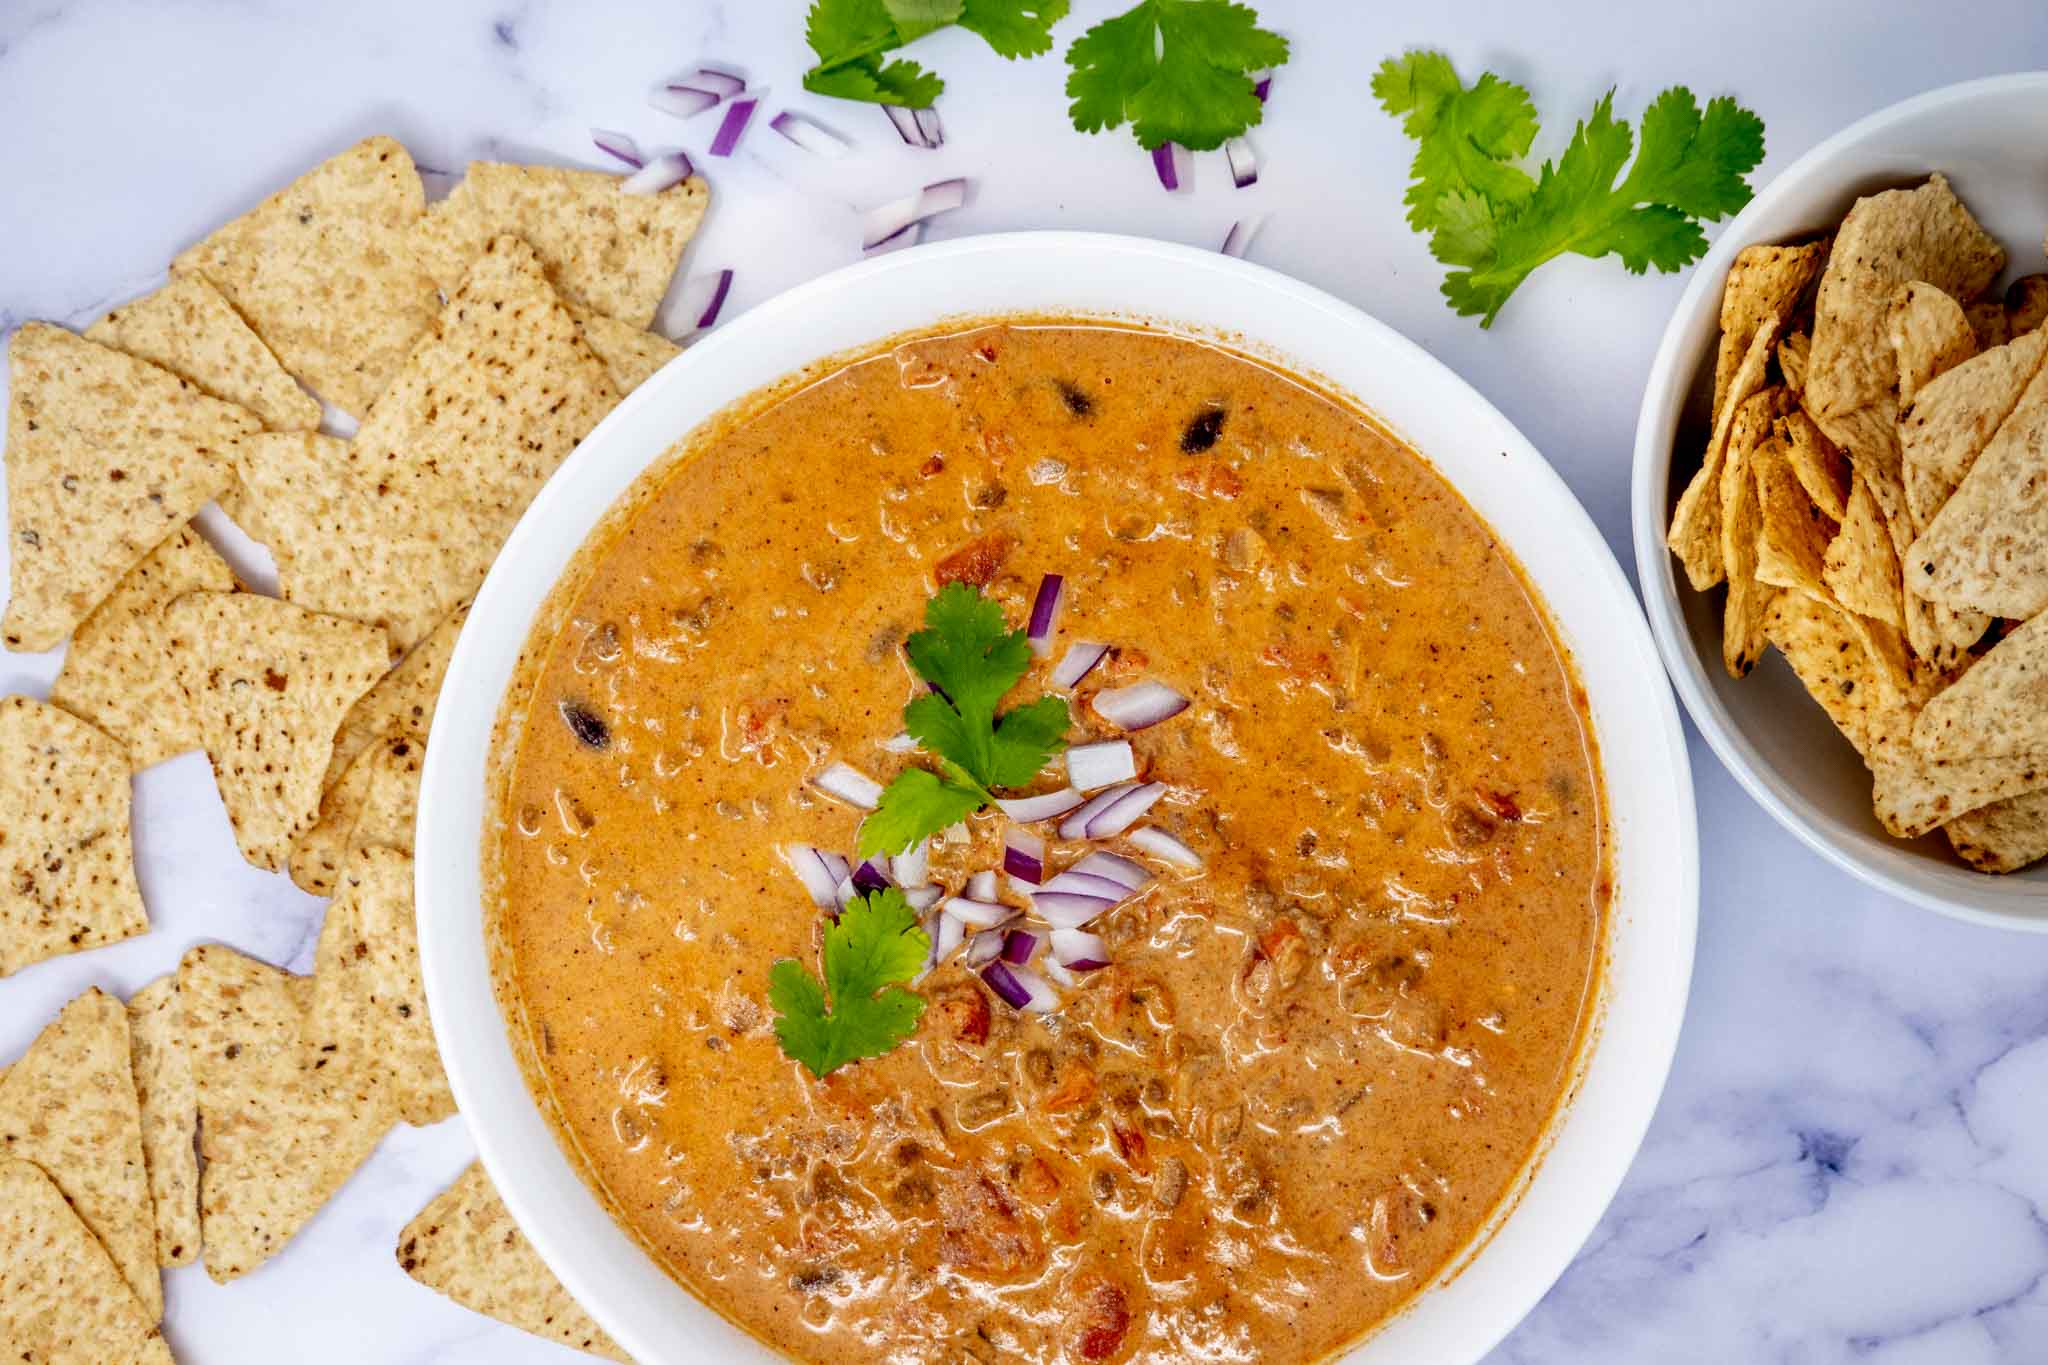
pixel 1851 1162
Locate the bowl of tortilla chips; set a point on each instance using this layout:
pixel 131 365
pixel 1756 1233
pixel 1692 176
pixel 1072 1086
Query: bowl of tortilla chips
pixel 1840 500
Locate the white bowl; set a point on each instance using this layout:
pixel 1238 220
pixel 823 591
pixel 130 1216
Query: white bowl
pixel 1985 136
pixel 1648 783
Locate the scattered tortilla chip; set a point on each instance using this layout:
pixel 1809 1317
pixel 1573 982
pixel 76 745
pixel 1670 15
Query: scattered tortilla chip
pixel 1952 419
pixel 170 1117
pixel 62 1300
pixel 630 354
pixel 466 1246
pixel 107 455
pixel 189 329
pixel 1793 353
pixel 1989 321
pixel 2026 304
pixel 1821 467
pixel 402 702
pixel 1999 707
pixel 117 673
pixel 1929 335
pixel 279 1136
pixel 324 271
pixel 69 1106
pixel 1742 631
pixel 605 251
pixel 1885 241
pixel 67 867
pixel 1764 285
pixel 269 683
pixel 2004 836
pixel 1695 534
pixel 376 801
pixel 1987 549
pixel 369 1010
pixel 1861 569
pixel 1914 795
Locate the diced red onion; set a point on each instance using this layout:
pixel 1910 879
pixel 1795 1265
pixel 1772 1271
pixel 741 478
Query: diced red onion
pixel 1098 765
pixel 1121 815
pixel 982 886
pixel 1018 946
pixel 1079 949
pixel 843 895
pixel 1166 164
pixel 1078 662
pixel 1024 855
pixel 985 946
pixel 1239 239
pixel 1109 867
pixel 932 134
pixel 978 913
pixel 899 215
pixel 923 897
pixel 1045 613
pixel 662 172
pixel 1162 845
pixel 1244 162
pixel 1262 84
pixel 619 145
pixel 710 291
pixel 1020 987
pixel 1057 974
pixel 850 785
pixel 952 933
pixel 955 833
pixel 1027 810
pixel 682 101
pixel 910 865
pixel 917 127
pixel 870 876
pixel 817 871
pixel 810 135
pixel 1075 826
pixel 1139 705
pixel 723 84
pixel 1075 883
pixel 903 743
pixel 729 129
pixel 1066 910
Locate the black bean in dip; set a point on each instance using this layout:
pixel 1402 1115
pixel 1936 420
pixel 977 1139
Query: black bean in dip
pixel 1075 397
pixel 590 730
pixel 1201 433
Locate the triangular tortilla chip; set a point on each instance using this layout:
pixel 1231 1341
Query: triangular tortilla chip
pixel 1794 534
pixel 269 683
pixel 2004 836
pixel 2026 304
pixel 69 1106
pixel 1914 795
pixel 1742 629
pixel 1887 240
pixel 1929 335
pixel 117 674
pixel 402 702
pixel 1695 534
pixel 1829 660
pixel 376 802
pixel 1820 466
pixel 170 1117
pixel 189 329
pixel 325 273
pixel 107 455
pixel 1999 707
pixel 1987 549
pixel 630 354
pixel 1860 568
pixel 1764 284
pixel 466 1246
pixel 62 1300
pixel 1953 418
pixel 1793 353
pixel 279 1136
pixel 605 251
pixel 369 1009
pixel 67 868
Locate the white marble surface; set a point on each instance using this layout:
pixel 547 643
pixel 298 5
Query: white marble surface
pixel 1851 1163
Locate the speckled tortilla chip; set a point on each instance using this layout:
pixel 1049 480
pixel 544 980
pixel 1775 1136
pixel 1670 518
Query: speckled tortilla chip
pixel 1887 240
pixel 1695 534
pixel 1764 284
pixel 1999 707
pixel 269 683
pixel 605 251
pixel 2026 304
pixel 1860 568
pixel 2004 836
pixel 369 1009
pixel 1929 335
pixel 402 702
pixel 189 329
pixel 279 1134
pixel 1915 795
pixel 630 354
pixel 67 868
pixel 1987 549
pixel 1742 627
pixel 376 801
pixel 62 1299
pixel 1989 321
pixel 170 1117
pixel 1952 419
pixel 1821 467
pixel 466 1246
pixel 107 455
pixel 117 673
pixel 1793 534
pixel 1793 353
pixel 1829 660
pixel 69 1106
pixel 324 271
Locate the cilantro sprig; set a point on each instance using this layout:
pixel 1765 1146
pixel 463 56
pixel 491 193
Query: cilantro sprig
pixel 1176 70
pixel 853 40
pixel 1496 224
pixel 971 661
pixel 861 1008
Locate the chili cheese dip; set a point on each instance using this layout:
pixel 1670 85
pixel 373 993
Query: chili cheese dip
pixel 1340 1008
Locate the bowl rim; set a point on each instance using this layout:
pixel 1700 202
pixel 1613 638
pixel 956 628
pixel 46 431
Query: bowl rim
pixel 1588 1146
pixel 1997 902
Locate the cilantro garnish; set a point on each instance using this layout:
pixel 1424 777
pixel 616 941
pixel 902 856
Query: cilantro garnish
pixel 872 952
pixel 971 661
pixel 1176 70
pixel 853 37
pixel 1487 217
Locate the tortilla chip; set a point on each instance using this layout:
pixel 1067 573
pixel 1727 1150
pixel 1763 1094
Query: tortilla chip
pixel 630 354
pixel 170 1117
pixel 1860 568
pixel 269 683
pixel 107 455
pixel 67 867
pixel 1821 467
pixel 1793 353
pixel 1952 419
pixel 62 1300
pixel 402 702
pixel 376 801
pixel 279 1134
pixel 2004 836
pixel 1829 660
pixel 189 329
pixel 1742 631
pixel 1929 335
pixel 117 674
pixel 1987 549
pixel 324 271
pixel 1989 321
pixel 1695 534
pixel 605 251
pixel 369 1010
pixel 1764 285
pixel 2026 304
pixel 1914 795
pixel 1999 707
pixel 1887 240
pixel 1793 533
pixel 466 1246
pixel 69 1106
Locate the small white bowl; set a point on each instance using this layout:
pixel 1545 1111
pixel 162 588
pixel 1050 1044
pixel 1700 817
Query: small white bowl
pixel 1985 137
pixel 1656 856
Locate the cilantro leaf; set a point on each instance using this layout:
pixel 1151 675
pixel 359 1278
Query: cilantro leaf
pixel 853 40
pixel 915 18
pixel 1025 738
pixel 870 79
pixel 1465 139
pixel 1175 70
pixel 1014 28
pixel 872 951
pixel 917 804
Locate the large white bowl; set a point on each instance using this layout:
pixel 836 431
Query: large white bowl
pixel 1648 784
pixel 1986 137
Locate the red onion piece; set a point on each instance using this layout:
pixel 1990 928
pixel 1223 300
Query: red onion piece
pixel 1109 867
pixel 729 129
pixel 952 933
pixel 1121 815
pixel 982 886
pixel 1239 239
pixel 1075 826
pixel 978 913
pixel 870 875
pixel 716 301
pixel 1138 706
pixel 1075 883
pixel 1018 946
pixel 923 897
pixel 723 84
pixel 931 134
pixel 1166 159
pixel 1078 662
pixel 842 895
pixel 885 222
pixel 1079 949
pixel 1020 987
pixel 904 121
pixel 909 866
pixel 1057 974
pixel 812 136
pixel 985 946
pixel 1090 766
pixel 1262 84
pixel 815 869
pixel 850 785
pixel 1027 810
pixel 1164 846
pixel 682 101
pixel 660 173
pixel 1045 613
pixel 902 743
pixel 1066 910
pixel 620 145
pixel 955 833
pixel 930 925
pixel 1024 855
pixel 1244 162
